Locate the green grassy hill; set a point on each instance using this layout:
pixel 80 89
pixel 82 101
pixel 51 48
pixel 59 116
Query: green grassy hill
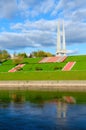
pixel 32 64
pixel 80 62
pixel 33 70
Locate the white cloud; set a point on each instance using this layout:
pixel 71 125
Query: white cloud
pixel 79 15
pixel 70 9
pixel 42 32
pixel 22 40
pixel 49 25
pixel 7 8
pixel 72 51
pixel 75 32
pixel 32 8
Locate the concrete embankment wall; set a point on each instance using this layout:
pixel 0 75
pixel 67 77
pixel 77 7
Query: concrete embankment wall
pixel 44 85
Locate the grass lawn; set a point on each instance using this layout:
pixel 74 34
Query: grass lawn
pixel 80 66
pixel 32 64
pixel 6 68
pixel 45 71
pixel 31 60
pixel 47 75
pixel 43 66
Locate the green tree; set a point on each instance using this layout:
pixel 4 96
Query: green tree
pixel 18 60
pixel 4 55
pixel 23 54
pixel 41 54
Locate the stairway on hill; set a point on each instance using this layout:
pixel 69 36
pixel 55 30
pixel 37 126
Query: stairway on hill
pixel 16 68
pixel 44 60
pixel 68 66
pixel 53 59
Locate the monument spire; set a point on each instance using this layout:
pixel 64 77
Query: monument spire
pixel 61 44
pixel 58 40
pixel 64 43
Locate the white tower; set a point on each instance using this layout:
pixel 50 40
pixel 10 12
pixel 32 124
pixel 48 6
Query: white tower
pixel 64 44
pixel 58 40
pixel 61 47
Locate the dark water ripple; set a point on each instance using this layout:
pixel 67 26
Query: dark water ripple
pixel 47 116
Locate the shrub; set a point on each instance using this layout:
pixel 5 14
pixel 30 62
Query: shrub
pixel 56 68
pixel 38 68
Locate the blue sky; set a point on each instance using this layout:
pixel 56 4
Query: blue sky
pixel 30 25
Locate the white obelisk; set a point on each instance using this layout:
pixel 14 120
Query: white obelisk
pixel 58 40
pixel 64 43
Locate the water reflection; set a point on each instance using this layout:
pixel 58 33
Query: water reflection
pixel 62 106
pixel 61 113
pixel 61 109
pixel 17 98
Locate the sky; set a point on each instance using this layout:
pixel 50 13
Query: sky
pixel 31 25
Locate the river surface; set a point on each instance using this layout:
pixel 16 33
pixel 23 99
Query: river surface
pixel 45 115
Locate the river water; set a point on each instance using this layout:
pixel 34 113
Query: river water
pixel 45 115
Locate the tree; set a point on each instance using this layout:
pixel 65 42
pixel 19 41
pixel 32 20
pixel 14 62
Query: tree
pixel 41 54
pixel 18 60
pixel 23 54
pixel 0 57
pixel 4 55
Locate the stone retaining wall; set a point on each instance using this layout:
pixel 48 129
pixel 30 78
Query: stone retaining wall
pixel 60 85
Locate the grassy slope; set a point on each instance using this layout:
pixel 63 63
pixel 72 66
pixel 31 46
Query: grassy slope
pixel 31 64
pixel 80 62
pixel 43 66
pixel 32 60
pixel 58 75
pixel 6 68
pixel 48 72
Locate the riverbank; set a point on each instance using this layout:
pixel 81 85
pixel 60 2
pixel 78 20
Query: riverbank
pixel 50 85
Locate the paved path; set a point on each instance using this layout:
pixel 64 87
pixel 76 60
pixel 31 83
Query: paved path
pixel 68 66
